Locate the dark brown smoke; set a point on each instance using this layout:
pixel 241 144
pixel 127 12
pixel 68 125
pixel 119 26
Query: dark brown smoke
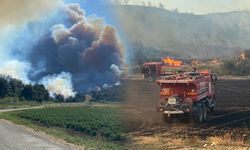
pixel 14 12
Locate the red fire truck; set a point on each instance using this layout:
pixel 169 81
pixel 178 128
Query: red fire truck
pixel 189 93
pixel 153 70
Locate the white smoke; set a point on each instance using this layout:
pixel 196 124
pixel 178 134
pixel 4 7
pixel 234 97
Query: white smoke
pixel 66 41
pixel 106 86
pixel 16 69
pixel 59 33
pixel 116 70
pixel 118 83
pixel 59 84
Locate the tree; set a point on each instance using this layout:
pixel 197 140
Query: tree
pixel 161 6
pixel 80 97
pixel 35 93
pixel 176 10
pixel 27 92
pixel 143 4
pixel 14 87
pixel 126 2
pixel 247 53
pixel 3 87
pixel 40 93
pixel 59 98
pixel 70 99
pixel 149 3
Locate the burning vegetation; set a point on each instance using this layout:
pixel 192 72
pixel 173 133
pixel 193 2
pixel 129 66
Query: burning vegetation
pixel 238 66
pixel 172 62
pixel 242 56
pixel 16 90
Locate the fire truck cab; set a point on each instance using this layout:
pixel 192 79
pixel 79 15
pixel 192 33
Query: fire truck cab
pixel 153 70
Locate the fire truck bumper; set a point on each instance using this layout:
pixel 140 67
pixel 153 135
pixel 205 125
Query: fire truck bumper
pixel 173 112
pixel 171 109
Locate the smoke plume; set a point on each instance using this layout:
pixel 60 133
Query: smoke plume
pixel 68 52
pixel 182 35
pixel 116 70
pixel 16 69
pixel 21 11
pixel 59 84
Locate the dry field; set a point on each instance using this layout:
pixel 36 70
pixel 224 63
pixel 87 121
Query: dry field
pixel 229 125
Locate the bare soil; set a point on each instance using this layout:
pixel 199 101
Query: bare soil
pixel 231 117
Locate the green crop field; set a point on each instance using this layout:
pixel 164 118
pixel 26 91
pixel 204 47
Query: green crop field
pixel 93 127
pixel 93 121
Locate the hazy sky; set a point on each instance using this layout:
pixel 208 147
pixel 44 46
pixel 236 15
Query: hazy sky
pixel 200 6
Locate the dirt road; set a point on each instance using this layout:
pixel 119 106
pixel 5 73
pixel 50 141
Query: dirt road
pixel 13 137
pixel 7 110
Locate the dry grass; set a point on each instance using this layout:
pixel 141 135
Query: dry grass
pixel 227 139
pixel 216 143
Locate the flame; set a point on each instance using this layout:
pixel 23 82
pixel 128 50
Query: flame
pixel 242 56
pixel 172 62
pixel 195 62
pixel 215 61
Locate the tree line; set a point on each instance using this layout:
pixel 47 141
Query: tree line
pixel 10 87
pixel 144 3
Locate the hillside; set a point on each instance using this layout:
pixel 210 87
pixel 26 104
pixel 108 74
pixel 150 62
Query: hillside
pixel 184 35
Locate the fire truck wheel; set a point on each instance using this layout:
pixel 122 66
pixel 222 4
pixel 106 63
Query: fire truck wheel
pixel 204 113
pixel 211 109
pixel 198 114
pixel 167 119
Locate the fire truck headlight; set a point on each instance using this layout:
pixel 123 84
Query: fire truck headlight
pixel 192 93
pixel 165 92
